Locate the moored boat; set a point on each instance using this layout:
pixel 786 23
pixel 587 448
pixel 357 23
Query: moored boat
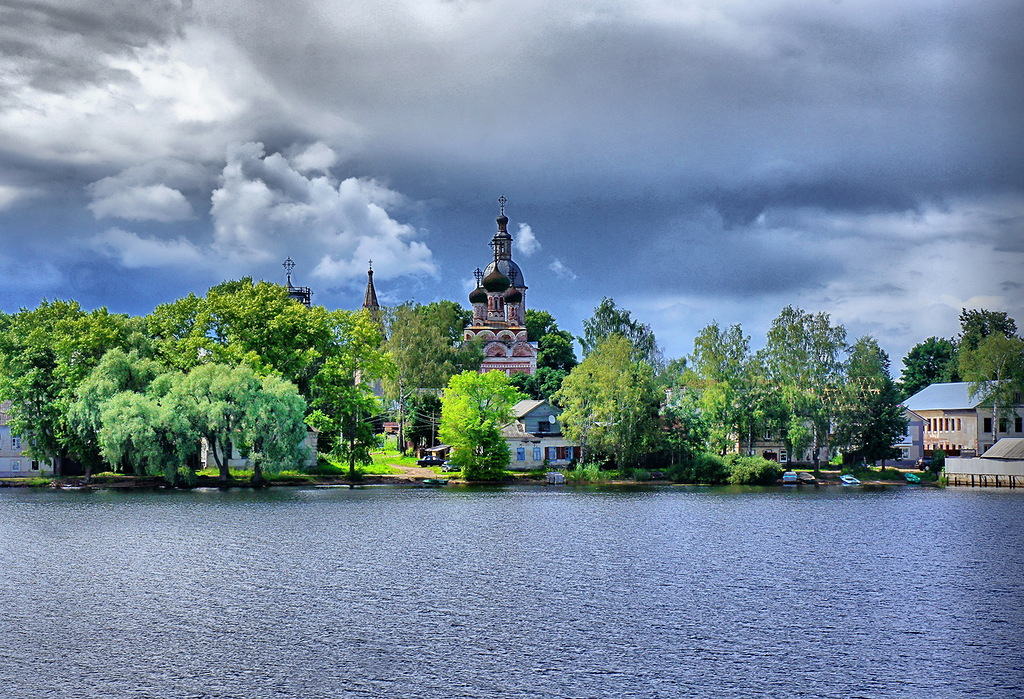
pixel 847 479
pixel 912 477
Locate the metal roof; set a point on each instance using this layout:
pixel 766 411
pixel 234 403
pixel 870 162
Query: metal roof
pixel 1006 448
pixel 523 407
pixel 943 396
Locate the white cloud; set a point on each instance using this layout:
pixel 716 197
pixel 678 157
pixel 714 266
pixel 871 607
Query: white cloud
pixel 9 195
pixel 140 203
pixel 317 157
pixel 525 241
pixel 134 251
pixel 265 210
pixel 561 270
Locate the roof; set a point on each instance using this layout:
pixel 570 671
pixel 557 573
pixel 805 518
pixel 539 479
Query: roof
pixel 943 396
pixel 523 407
pixel 1006 448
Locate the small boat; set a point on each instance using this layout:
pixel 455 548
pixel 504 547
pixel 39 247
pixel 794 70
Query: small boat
pixel 790 478
pixel 847 479
pixel 434 481
pixel 806 478
pixel 912 477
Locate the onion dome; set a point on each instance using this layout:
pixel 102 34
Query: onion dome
pixel 478 295
pixel 496 281
pixel 513 295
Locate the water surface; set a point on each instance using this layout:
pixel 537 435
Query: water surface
pixel 532 592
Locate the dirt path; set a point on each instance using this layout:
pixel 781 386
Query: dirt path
pixel 414 473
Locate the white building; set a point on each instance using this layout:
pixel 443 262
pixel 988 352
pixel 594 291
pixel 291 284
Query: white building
pixel 13 461
pixel 958 424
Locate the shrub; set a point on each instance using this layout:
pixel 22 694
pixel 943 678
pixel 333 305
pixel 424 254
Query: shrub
pixel 585 473
pixel 752 470
pixel 938 461
pixel 703 468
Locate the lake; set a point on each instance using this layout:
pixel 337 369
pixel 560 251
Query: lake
pixel 513 592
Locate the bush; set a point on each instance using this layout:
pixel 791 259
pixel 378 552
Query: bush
pixel 752 470
pixel 702 468
pixel 938 461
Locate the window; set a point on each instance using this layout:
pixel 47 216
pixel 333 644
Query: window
pixel 15 465
pixel 538 454
pixel 1017 424
pixel 1003 425
pixel 520 454
pixel 958 426
pixel 552 453
pixel 987 425
pixel 35 465
pixel 15 443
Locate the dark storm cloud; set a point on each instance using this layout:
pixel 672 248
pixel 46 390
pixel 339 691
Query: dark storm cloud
pixel 57 44
pixel 698 160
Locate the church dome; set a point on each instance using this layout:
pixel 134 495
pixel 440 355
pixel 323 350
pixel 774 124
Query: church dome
pixel 510 269
pixel 513 295
pixel 478 295
pixel 496 281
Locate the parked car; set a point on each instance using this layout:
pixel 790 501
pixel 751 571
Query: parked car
pixel 430 460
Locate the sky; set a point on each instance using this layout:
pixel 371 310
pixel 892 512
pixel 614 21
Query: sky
pixel 694 160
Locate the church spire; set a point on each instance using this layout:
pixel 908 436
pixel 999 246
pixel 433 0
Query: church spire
pixel 370 300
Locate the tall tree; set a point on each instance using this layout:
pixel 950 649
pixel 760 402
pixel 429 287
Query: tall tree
pixel 928 362
pixel 718 374
pixel 995 370
pixel 803 364
pixel 424 356
pixel 474 408
pixel 977 323
pixel 45 353
pixel 608 320
pixel 871 419
pixel 610 403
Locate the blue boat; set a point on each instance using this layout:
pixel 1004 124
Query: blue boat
pixel 847 479
pixel 912 477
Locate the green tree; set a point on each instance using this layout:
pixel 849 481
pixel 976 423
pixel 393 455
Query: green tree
pixel 474 408
pixel 608 320
pixel 995 370
pixel 977 323
pixel 424 355
pixel 928 362
pixel 610 403
pixel 803 363
pixel 231 406
pixel 541 385
pixel 45 353
pixel 871 419
pixel 718 374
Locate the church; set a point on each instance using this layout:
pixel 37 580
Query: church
pixel 499 309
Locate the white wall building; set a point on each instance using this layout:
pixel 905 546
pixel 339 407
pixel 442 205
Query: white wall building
pixel 13 461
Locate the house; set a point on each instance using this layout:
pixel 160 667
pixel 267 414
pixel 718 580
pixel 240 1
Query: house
pixel 912 445
pixel 535 438
pixel 13 461
pixel 958 424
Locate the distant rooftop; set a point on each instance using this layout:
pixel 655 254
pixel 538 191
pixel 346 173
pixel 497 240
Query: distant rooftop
pixel 943 396
pixel 1006 448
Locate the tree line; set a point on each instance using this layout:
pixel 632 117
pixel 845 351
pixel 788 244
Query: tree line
pixel 246 369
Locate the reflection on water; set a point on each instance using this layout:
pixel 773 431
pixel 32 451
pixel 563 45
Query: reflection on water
pixel 534 592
